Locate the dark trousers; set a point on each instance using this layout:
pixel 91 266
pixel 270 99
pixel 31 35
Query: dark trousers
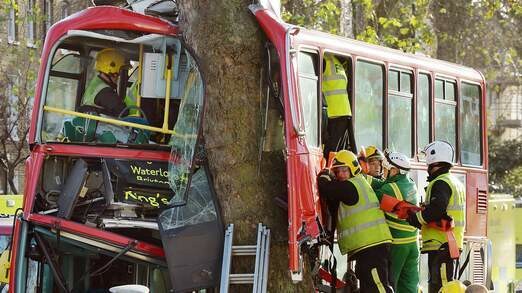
pixel 373 269
pixel 440 266
pixel 336 129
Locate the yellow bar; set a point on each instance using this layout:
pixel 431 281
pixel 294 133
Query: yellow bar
pixel 140 72
pixel 107 120
pixel 167 100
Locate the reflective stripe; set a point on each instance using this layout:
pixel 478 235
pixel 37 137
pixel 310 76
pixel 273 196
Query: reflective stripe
pixel 400 226
pixel 455 208
pixel 334 92
pixel 369 205
pixel 405 240
pixel 333 76
pixel 377 281
pixel 443 274
pixel 346 213
pixel 397 191
pixel 361 227
pixel 392 215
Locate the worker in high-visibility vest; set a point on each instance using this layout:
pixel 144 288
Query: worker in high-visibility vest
pixel 373 159
pixel 405 247
pixel 100 92
pixel 445 200
pixel 361 227
pixel 335 93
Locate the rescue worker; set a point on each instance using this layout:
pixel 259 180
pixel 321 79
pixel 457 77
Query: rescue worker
pixel 361 227
pixel 338 109
pixel 405 248
pixel 373 159
pixel 100 92
pixel 445 199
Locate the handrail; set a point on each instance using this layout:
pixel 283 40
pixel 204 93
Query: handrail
pixel 108 120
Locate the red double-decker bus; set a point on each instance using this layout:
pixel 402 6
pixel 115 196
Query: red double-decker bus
pixel 400 102
pixel 128 199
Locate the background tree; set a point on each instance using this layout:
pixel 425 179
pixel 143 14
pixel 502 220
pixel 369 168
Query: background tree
pixel 17 75
pixel 16 90
pixel 229 45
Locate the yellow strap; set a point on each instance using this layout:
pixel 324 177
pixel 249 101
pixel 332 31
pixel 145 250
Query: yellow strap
pixel 377 281
pixel 397 191
pixel 443 274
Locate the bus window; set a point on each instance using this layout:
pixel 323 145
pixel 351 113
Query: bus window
pixel 93 94
pixel 445 126
pixel 308 88
pixel 423 110
pixel 369 85
pixel 400 98
pixel 62 90
pixel 470 124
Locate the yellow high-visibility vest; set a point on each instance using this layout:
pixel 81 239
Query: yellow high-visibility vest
pixel 335 88
pixel 433 238
pixel 361 225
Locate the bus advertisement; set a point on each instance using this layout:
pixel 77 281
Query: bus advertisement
pixel 123 194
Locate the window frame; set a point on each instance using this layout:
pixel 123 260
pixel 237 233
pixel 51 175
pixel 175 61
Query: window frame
pixel 431 105
pixel 31 24
pixel 384 100
pixel 454 103
pixel 318 66
pixel 481 123
pixel 401 95
pixel 12 26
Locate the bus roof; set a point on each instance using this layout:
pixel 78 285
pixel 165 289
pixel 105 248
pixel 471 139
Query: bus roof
pixel 378 53
pixel 275 28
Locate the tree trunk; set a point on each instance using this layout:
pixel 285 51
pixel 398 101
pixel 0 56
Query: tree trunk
pixel 10 180
pixel 228 43
pixel 346 21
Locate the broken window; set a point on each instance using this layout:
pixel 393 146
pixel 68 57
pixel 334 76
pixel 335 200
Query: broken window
pixel 88 101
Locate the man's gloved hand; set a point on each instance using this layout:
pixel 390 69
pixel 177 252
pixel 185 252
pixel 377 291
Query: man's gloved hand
pixel 413 221
pixel 326 174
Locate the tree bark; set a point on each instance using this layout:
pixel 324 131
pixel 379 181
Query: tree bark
pixel 228 43
pixel 346 21
pixel 10 180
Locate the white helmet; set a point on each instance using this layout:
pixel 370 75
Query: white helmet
pixel 439 151
pixel 397 160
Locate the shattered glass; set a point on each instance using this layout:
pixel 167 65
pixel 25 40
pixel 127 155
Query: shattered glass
pixel 199 209
pixel 184 136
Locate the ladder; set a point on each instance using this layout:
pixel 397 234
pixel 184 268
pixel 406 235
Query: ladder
pixel 261 250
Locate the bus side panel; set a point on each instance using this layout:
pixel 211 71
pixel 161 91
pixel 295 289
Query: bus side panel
pixel 476 204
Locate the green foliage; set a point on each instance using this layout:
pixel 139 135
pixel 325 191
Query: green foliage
pixel 320 15
pixel 505 165
pixel 396 24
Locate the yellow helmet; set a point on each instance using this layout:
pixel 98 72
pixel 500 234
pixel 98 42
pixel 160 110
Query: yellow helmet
pixel 453 287
pixel 372 152
pixel 348 159
pixel 109 61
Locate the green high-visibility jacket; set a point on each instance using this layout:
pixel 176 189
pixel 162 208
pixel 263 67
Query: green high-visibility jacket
pixel 361 225
pixel 334 88
pixel 95 86
pixel 433 238
pixel 401 187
